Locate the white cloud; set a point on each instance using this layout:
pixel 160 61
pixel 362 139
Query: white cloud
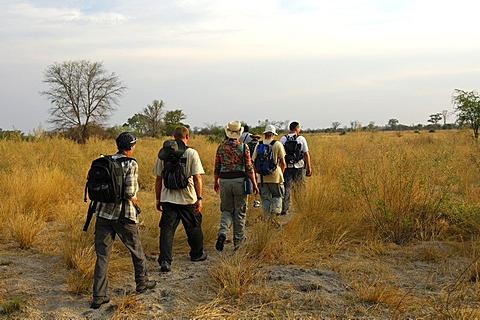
pixel 275 54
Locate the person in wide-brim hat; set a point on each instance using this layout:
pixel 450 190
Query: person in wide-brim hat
pixel 173 147
pixel 234 129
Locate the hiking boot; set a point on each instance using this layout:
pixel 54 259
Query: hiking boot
pixel 145 285
pixel 203 257
pixel 220 242
pixel 165 266
pixel 98 301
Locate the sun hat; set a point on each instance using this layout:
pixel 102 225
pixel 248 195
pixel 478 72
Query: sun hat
pixel 270 128
pixel 125 141
pixel 234 129
pixel 172 147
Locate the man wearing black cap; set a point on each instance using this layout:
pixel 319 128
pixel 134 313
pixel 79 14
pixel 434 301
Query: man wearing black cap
pixel 120 219
pixel 181 203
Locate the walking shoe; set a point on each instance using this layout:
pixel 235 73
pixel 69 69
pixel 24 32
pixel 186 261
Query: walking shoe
pixel 201 258
pixel 220 242
pixel 98 301
pixel 165 266
pixel 145 285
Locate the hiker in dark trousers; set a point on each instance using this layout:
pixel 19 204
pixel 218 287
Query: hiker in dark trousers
pixel 297 169
pixel 180 205
pixel 271 185
pixel 122 220
pixel 232 164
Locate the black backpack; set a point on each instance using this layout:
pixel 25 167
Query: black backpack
pixel 105 179
pixel 293 150
pixel 173 173
pixel 251 145
pixel 264 162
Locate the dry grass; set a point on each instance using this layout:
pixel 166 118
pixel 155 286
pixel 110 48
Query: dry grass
pixel 25 229
pixel 128 306
pixel 234 275
pixel 369 191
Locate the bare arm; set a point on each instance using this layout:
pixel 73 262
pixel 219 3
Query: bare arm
pixel 308 165
pixel 216 185
pixel 282 164
pixel 158 192
pixel 251 174
pixel 198 184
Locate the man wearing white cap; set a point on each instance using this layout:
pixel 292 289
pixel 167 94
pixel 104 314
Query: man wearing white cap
pixel 271 186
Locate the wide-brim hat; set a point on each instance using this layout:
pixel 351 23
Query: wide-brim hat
pixel 234 129
pixel 173 147
pixel 270 128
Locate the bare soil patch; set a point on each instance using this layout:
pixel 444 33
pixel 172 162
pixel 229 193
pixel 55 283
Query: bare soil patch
pixel 423 280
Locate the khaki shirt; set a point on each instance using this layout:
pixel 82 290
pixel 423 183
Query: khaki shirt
pixel 278 153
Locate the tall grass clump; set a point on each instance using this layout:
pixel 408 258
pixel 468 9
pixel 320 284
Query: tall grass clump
pixel 323 218
pixel 400 187
pixel 25 229
pixel 233 275
pixel 77 250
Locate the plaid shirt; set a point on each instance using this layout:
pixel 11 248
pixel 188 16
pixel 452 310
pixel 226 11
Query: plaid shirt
pixel 112 211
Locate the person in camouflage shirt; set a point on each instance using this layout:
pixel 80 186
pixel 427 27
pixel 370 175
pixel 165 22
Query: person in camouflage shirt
pixel 232 164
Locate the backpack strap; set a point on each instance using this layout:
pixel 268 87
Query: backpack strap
pixel 291 138
pixel 271 144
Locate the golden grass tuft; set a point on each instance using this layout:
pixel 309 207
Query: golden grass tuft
pixel 81 263
pixel 128 307
pixel 234 275
pixel 25 229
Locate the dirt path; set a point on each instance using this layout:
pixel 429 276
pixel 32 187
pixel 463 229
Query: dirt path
pixel 293 291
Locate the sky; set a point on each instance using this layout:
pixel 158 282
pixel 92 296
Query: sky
pixel 313 61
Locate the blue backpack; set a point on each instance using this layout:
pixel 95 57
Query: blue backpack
pixel 264 162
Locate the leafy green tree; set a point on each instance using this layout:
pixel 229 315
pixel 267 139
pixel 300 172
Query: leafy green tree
pixel 173 119
pixel 137 123
pixel 467 107
pixel 392 123
pixel 435 118
pixel 83 94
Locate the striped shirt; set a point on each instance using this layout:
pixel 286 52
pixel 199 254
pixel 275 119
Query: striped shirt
pixel 112 211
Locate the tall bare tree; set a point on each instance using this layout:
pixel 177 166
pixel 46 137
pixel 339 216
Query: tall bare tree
pixel 82 94
pixel 445 114
pixel 153 117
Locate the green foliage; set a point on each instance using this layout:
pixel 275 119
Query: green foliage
pixel 467 107
pixel 173 119
pixel 216 135
pixel 137 123
pixel 15 135
pixel 11 305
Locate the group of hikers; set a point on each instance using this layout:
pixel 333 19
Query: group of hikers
pixel 244 164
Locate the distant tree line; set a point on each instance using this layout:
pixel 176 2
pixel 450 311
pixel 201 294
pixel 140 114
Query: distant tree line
pixel 84 95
